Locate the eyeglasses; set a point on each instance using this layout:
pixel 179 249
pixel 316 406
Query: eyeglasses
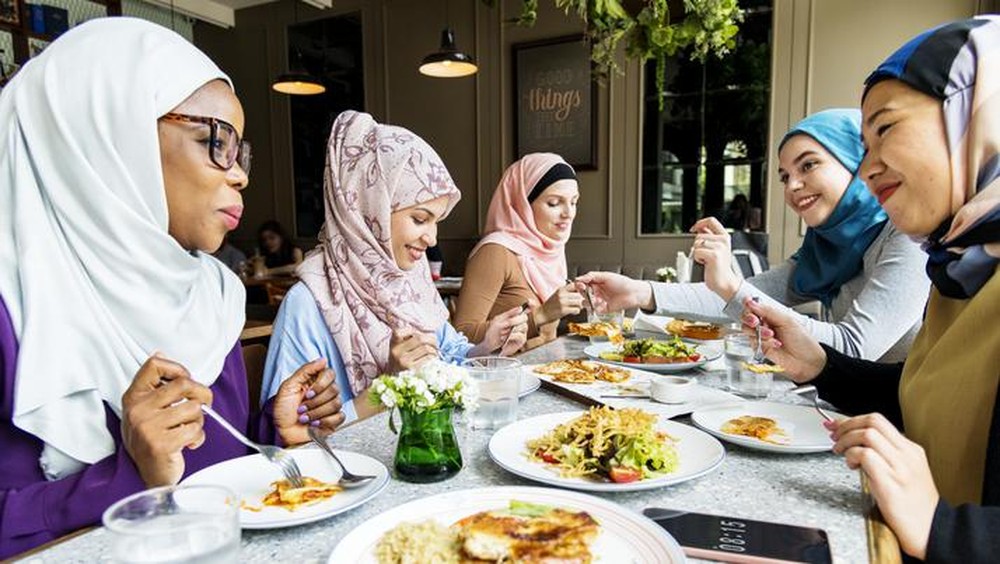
pixel 225 147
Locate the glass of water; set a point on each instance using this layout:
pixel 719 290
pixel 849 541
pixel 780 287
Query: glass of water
pixel 197 524
pixel 755 384
pixel 738 351
pixel 499 379
pixel 616 318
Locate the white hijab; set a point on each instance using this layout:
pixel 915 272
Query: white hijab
pixel 93 282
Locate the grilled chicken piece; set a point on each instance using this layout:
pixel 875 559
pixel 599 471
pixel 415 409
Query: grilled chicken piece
pixel 559 536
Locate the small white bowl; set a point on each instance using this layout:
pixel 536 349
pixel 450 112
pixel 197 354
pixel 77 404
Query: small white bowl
pixel 671 389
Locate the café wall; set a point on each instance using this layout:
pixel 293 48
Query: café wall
pixel 822 51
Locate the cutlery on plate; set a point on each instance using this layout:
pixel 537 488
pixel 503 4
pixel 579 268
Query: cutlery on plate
pixel 347 479
pixel 810 393
pixel 277 455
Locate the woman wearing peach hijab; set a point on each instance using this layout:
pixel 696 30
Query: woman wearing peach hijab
pixel 522 258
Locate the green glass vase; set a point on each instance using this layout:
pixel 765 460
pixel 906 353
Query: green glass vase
pixel 427 450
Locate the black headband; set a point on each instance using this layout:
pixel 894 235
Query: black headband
pixel 559 171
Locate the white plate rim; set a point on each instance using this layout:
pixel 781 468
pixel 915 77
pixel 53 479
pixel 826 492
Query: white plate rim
pixel 349 548
pixel 554 479
pixel 533 382
pixel 377 487
pixel 594 350
pixel 697 417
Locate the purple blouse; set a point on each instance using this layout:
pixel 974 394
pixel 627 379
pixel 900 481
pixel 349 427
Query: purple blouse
pixel 34 510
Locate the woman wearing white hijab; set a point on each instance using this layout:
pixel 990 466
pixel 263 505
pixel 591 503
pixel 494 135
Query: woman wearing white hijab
pixel 121 167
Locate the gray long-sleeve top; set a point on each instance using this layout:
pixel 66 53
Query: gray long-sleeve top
pixel 875 316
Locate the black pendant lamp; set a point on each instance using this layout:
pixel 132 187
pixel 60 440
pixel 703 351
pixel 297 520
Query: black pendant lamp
pixel 448 62
pixel 297 81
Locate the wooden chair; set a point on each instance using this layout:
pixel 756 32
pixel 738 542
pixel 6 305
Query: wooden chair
pixel 254 356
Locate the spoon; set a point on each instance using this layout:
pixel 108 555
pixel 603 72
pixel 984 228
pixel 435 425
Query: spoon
pixel 347 479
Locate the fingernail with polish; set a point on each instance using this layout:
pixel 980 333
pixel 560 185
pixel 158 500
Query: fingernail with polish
pixel 310 394
pixel 303 418
pixel 314 423
pixel 303 409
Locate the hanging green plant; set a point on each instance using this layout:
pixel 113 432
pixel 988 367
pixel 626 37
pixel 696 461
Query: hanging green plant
pixel 644 27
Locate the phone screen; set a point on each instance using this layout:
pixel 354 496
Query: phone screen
pixel 742 540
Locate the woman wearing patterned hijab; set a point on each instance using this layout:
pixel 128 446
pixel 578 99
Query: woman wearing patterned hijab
pixel 522 257
pixel 862 269
pixel 930 125
pixel 122 167
pixel 366 302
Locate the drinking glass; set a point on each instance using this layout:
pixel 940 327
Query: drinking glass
pixel 196 524
pixel 617 318
pixel 755 385
pixel 499 379
pixel 738 350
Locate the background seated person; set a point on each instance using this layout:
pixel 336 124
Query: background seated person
pixel 281 256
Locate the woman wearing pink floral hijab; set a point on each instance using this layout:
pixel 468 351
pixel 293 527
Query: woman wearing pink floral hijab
pixel 366 302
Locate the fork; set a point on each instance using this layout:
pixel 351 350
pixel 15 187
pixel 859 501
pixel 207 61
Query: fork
pixel 347 479
pixel 586 294
pixel 809 392
pixel 274 454
pixel 758 354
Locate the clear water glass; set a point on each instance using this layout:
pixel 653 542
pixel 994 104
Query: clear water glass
pixel 755 385
pixel 499 380
pixel 617 318
pixel 173 524
pixel 737 351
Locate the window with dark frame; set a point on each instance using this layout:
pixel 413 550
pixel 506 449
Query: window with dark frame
pixel 709 143
pixel 330 49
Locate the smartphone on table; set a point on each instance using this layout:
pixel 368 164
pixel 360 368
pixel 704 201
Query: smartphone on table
pixel 733 539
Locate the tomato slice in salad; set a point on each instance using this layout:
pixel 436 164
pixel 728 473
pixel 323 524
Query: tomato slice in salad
pixel 624 474
pixel 632 359
pixel 546 457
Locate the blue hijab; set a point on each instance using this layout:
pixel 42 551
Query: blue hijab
pixel 833 253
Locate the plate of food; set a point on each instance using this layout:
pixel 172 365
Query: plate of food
pixel 768 426
pixel 575 371
pixel 267 499
pixel 695 330
pixel 598 330
pixel 508 524
pixel 673 355
pixel 563 449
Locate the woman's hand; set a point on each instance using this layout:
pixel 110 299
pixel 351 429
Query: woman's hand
pixel 513 323
pixel 409 349
pixel 157 422
pixel 308 397
pixel 785 341
pixel 614 292
pixel 713 249
pixel 898 474
pixel 564 301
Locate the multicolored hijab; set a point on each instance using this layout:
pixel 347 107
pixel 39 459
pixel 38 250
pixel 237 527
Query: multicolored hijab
pixel 833 253
pixel 373 170
pixel 958 63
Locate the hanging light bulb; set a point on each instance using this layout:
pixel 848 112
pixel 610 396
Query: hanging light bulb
pixel 448 62
pixel 297 81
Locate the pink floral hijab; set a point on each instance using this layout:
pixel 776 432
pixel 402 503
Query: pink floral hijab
pixel 510 222
pixel 373 170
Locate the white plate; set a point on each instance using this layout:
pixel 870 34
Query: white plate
pixel 699 454
pixel 648 323
pixel 801 423
pixel 528 383
pixel 625 536
pixel 251 476
pixel 708 353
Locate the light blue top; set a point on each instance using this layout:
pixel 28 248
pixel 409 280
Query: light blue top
pixel 300 335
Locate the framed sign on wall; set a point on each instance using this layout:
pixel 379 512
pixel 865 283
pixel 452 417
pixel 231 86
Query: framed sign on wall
pixel 555 99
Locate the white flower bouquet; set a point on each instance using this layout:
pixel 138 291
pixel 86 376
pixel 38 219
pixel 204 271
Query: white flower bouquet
pixel 432 385
pixel 666 274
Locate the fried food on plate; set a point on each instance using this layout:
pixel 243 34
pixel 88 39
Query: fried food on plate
pixel 283 494
pixel 761 428
pixel 582 372
pixel 694 329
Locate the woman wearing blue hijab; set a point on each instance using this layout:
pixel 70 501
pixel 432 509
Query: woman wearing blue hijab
pixel 867 275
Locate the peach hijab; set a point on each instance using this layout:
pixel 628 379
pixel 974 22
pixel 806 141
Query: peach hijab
pixel 510 223
pixel 371 171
